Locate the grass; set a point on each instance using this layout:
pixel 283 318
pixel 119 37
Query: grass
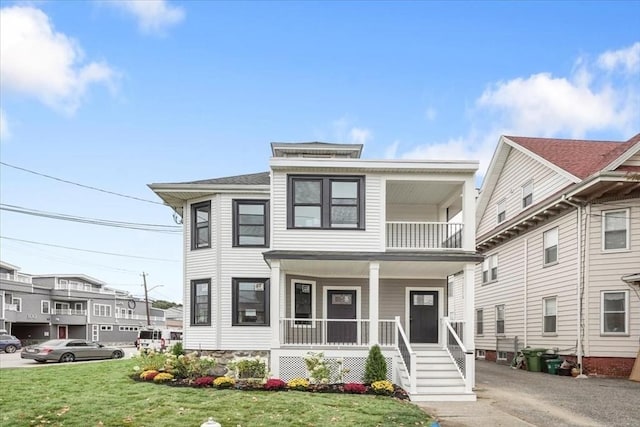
pixel 101 394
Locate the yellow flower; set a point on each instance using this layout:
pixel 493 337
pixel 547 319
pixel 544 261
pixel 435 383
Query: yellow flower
pixel 298 384
pixel 382 387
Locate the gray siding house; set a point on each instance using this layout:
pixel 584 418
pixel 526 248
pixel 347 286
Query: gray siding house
pixel 37 308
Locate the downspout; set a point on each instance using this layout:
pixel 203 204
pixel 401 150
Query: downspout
pixel 526 287
pixel 580 284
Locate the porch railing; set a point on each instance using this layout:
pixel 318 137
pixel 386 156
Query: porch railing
pixel 461 356
pixel 423 235
pixel 407 355
pixel 68 311
pixel 334 332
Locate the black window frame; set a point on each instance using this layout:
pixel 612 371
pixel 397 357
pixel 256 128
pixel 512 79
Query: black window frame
pixel 236 203
pixel 234 300
pixel 195 227
pixel 193 317
pixel 325 200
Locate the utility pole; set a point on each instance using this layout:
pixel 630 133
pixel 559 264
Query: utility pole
pixel 146 297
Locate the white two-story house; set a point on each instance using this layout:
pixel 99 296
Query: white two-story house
pixel 329 252
pixel 559 225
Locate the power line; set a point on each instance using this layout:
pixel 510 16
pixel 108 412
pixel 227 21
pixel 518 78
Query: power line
pixel 87 250
pixel 82 185
pixel 93 221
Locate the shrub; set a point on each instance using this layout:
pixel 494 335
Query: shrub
pixel 375 368
pixel 275 384
pixel 162 377
pixel 323 371
pixel 250 368
pixel 177 349
pixel 203 382
pixel 382 387
pixel 224 382
pixel 355 388
pixel 149 375
pixel 300 384
pixel 150 360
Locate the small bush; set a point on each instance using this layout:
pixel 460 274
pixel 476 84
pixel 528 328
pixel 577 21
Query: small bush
pixel 382 387
pixel 300 384
pixel 355 388
pixel 203 382
pixel 375 369
pixel 162 377
pixel 177 349
pixel 224 382
pixel 275 384
pixel 250 368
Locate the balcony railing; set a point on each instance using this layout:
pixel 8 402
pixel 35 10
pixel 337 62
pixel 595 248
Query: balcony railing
pixel 68 311
pixel 16 277
pixel 334 332
pixel 424 235
pixel 139 317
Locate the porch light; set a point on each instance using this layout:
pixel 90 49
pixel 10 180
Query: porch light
pixel 210 423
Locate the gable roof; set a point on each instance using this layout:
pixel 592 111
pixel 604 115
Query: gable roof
pixel 260 178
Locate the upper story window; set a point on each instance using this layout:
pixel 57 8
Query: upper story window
pixel 527 194
pixel 18 303
pixel 549 314
pixel 490 269
pixel 615 230
pixel 501 210
pixel 500 319
pixel 45 306
pixel 251 223
pixel 550 239
pixel 103 310
pixel 326 202
pixel 201 302
pixel 201 225
pixel 615 313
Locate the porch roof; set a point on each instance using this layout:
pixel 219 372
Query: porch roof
pixel 420 256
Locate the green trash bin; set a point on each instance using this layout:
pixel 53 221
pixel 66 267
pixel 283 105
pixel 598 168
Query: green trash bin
pixel 533 358
pixel 544 357
pixel 553 365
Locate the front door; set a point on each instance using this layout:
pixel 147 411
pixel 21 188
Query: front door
pixel 62 332
pixel 423 316
pixel 341 304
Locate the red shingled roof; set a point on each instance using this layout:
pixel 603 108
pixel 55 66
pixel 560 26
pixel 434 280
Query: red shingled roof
pixel 580 158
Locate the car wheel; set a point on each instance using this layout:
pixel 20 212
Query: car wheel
pixel 67 357
pixel 117 354
pixel 10 349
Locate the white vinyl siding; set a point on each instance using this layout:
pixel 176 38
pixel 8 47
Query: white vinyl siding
pixel 519 168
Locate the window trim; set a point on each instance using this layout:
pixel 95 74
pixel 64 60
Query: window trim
pixel 194 224
pixel 236 203
pixel 325 200
pixel 504 315
pixel 546 263
pixel 502 203
pixel 627 214
pixel 479 330
pixel 523 196
pixel 491 262
pixel 18 304
pixel 192 291
pixel 107 310
pixel 626 313
pixel 234 301
pixel 545 315
pixel 480 353
pixel 314 303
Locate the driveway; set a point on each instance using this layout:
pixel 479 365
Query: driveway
pixel 510 397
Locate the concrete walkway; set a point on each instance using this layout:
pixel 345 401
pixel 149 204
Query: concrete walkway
pixel 509 397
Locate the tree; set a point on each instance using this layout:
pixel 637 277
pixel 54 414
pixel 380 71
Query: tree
pixel 375 369
pixel 159 303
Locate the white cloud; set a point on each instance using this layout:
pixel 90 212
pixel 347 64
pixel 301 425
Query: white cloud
pixel 153 16
pixel 39 62
pixel 343 130
pixel 359 135
pixel 628 59
pixel 4 126
pixel 392 151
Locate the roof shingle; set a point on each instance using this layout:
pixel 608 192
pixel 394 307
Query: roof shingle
pixel 260 178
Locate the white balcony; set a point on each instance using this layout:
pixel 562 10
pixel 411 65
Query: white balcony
pixel 68 312
pixel 403 235
pixel 16 277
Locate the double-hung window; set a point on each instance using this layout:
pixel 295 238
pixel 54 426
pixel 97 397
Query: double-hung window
pixel 490 269
pixel 615 226
pixel 201 302
pixel 501 210
pixel 201 225
pixel 250 305
pixel 527 194
pixel 549 314
pixel 500 319
pixel 550 241
pixel 479 322
pixel 326 202
pixel 615 312
pixel 251 223
pixel 302 300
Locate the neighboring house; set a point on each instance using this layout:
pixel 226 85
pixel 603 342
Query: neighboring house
pixel 559 224
pixel 39 308
pixel 174 317
pixel 328 252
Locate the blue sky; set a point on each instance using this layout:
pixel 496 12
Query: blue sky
pixel 117 95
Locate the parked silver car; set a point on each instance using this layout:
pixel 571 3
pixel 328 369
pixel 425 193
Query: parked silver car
pixel 70 351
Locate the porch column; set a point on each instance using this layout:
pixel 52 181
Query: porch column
pixel 469 309
pixel 469 215
pixel 274 303
pixel 374 296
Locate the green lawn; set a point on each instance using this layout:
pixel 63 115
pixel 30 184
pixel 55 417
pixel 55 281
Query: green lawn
pixel 101 394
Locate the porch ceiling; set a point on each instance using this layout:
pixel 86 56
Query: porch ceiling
pixel 421 192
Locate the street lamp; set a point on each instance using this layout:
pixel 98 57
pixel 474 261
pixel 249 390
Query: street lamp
pixel 146 295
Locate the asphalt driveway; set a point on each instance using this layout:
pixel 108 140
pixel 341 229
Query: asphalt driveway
pixel 509 397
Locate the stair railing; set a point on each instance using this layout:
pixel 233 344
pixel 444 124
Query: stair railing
pixel 459 353
pixel 407 355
